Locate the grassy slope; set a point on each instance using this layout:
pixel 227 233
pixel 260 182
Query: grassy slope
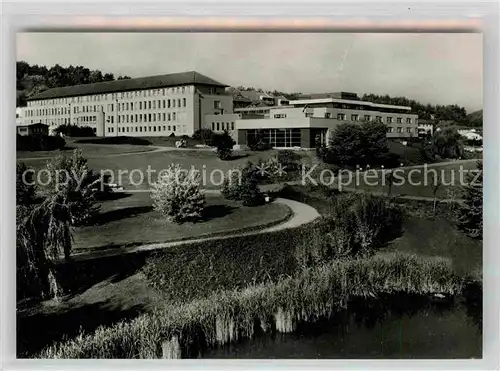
pixel 89 150
pixel 131 220
pixel 129 166
pixel 422 235
pixel 421 184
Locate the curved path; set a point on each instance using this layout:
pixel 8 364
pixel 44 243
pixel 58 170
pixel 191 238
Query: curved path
pixel 302 214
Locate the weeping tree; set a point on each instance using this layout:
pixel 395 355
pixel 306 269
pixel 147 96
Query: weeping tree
pixel 44 225
pixel 41 238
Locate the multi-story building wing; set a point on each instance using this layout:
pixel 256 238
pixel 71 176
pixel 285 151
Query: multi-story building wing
pixel 147 106
pixel 316 117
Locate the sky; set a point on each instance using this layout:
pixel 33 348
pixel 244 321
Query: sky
pixel 445 68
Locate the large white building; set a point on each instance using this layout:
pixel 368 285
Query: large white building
pixel 181 103
pixel 147 106
pixel 305 120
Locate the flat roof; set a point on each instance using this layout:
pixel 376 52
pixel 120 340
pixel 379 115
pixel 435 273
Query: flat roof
pixel 140 83
pixel 30 124
pixel 347 101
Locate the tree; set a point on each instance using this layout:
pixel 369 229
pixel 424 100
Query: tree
pixel 447 143
pixel 108 77
pixel 353 144
pixel 243 185
pixel 204 135
pixel 424 111
pixel 33 79
pixel 71 189
pixel 95 76
pixel 224 145
pixel 470 213
pixel 436 183
pixel 25 188
pixel 44 227
pixel 177 196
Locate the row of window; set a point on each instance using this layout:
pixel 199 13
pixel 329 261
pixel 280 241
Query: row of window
pixel 400 130
pixel 125 106
pixel 166 103
pixel 355 117
pixel 140 129
pixel 276 137
pixel 146 117
pixel 217 127
pixel 100 97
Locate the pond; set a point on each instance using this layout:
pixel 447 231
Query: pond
pixel 408 329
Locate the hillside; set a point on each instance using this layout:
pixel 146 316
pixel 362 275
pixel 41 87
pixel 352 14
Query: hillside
pixel 33 79
pixel 475 118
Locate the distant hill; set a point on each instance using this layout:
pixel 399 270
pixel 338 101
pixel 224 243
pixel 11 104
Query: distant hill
pixel 33 79
pixel 475 118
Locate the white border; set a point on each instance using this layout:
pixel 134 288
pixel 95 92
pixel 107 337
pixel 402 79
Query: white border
pixel 17 16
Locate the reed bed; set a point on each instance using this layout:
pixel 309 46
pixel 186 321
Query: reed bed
pixel 186 330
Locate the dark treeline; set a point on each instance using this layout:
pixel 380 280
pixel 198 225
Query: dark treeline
pixel 290 96
pixel 428 111
pixel 33 79
pixel 451 112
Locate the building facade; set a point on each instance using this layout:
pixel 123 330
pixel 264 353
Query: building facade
pixel 182 103
pixel 32 129
pixel 305 120
pixel 149 106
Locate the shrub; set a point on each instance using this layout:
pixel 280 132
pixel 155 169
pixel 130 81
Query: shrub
pixel 251 194
pixel 322 245
pixel 39 142
pixel 470 213
pixel 446 143
pixel 177 196
pixel 204 135
pixel 224 144
pixel 25 188
pixel 289 159
pixel 357 225
pixel 242 185
pixel 72 181
pixel 75 131
pixel 215 265
pixel 377 221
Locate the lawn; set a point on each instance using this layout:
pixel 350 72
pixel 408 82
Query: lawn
pixel 132 221
pixel 440 237
pixel 415 182
pixel 409 154
pixel 407 181
pixel 108 301
pixel 139 171
pixel 89 150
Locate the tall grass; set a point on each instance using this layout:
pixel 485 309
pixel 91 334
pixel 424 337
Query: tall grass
pixel 184 330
